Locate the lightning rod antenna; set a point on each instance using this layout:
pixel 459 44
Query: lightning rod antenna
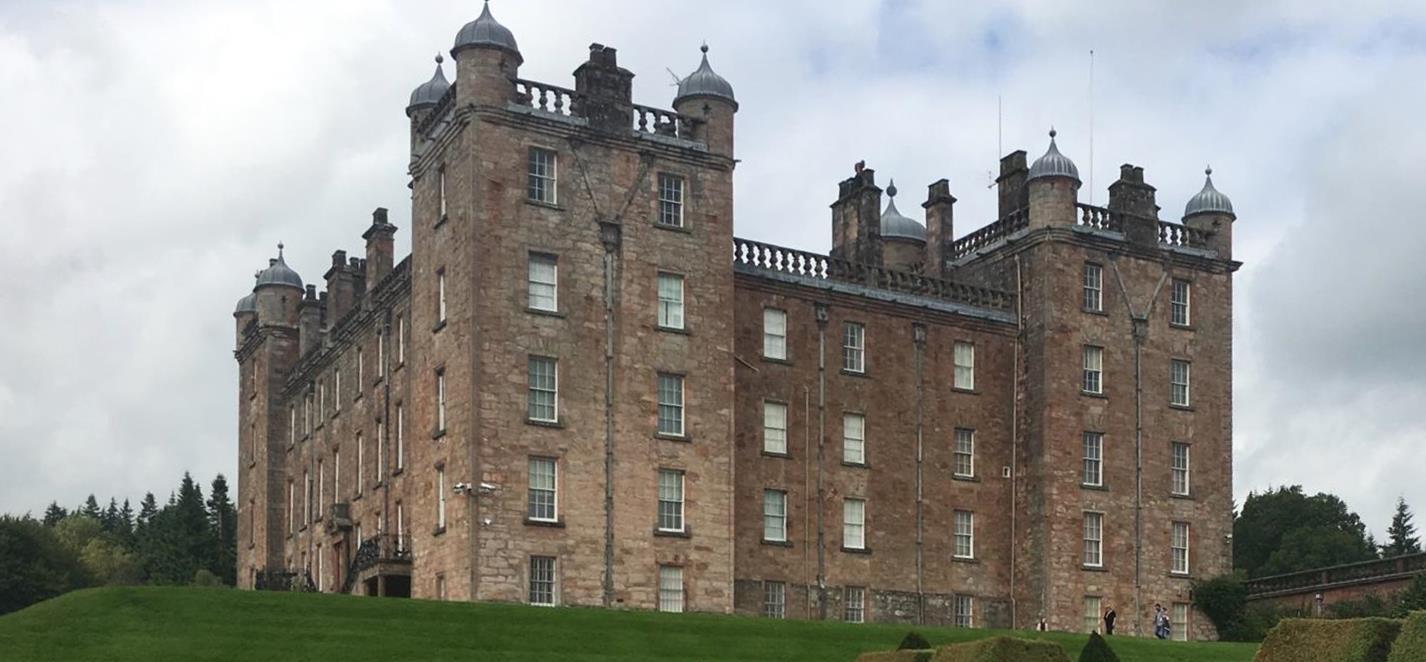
pixel 1091 126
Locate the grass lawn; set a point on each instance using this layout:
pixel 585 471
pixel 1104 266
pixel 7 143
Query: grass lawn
pixel 220 624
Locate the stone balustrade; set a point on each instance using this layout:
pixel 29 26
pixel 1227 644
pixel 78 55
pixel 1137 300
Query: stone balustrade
pixel 663 122
pixel 1099 218
pixel 1351 573
pixel 748 253
pixel 991 235
pixel 1175 235
pixel 546 97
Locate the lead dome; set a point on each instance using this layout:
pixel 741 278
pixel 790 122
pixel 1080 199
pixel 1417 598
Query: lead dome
pixel 486 32
pixel 895 225
pixel 1053 163
pixel 1209 200
pixel 704 82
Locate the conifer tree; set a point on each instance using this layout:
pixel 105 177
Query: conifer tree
pixel 91 508
pixel 54 513
pixel 1401 535
pixel 223 523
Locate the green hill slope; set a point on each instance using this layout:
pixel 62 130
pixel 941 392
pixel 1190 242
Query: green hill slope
pixel 217 624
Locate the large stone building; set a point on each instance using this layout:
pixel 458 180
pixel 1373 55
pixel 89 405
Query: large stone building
pixel 581 389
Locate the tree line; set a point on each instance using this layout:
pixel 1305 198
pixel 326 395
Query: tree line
pixel 187 540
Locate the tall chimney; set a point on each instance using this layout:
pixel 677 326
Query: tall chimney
pixel 940 230
pixel 380 248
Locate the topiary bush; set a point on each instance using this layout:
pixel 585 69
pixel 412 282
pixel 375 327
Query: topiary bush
pixel 1321 640
pixel 913 641
pixel 1097 650
pixel 1410 645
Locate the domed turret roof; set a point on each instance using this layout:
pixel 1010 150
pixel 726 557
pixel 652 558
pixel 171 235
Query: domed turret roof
pixel 1053 163
pixel 247 304
pixel 278 273
pixel 896 226
pixel 1208 200
pixel 704 82
pixel 431 91
pixel 487 32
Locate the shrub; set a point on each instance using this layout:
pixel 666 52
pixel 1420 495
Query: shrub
pixel 1224 600
pixel 205 577
pixel 1097 650
pixel 1410 645
pixel 1319 640
pixel 1413 598
pixel 1368 606
pixel 35 564
pixel 913 641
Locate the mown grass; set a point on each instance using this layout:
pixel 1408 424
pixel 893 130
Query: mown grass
pixel 150 623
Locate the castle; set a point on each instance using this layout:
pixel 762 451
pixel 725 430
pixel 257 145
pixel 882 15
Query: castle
pixel 581 389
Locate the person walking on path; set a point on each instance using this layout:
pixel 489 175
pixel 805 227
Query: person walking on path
pixel 1161 621
pixel 1109 616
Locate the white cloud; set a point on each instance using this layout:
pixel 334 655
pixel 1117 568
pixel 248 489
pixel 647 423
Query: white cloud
pixel 156 150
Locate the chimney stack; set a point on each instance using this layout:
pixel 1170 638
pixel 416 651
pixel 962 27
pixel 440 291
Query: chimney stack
pixel 940 230
pixel 380 248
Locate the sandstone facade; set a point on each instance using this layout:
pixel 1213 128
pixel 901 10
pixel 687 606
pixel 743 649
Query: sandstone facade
pixel 397 436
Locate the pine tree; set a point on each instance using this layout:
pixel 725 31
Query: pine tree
pixel 126 524
pixel 223 522
pixel 148 508
pixel 54 513
pixel 110 517
pixel 91 508
pixel 1402 538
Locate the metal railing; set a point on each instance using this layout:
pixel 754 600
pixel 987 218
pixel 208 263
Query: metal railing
pixel 381 548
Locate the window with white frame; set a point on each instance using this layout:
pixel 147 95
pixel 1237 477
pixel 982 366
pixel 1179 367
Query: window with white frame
pixel 670 200
pixel 380 453
pixel 1092 612
pixel 1179 301
pixel 854 523
pixel 964 538
pixel 670 288
pixel 307 415
pixel 964 453
pixel 670 500
pixel 337 390
pixel 1180 466
pixel 1179 545
pixel 775 333
pixel 775 515
pixel 400 526
pixel 853 438
pixel 380 355
pixel 321 569
pixel 401 340
pixel 291 507
pixel 1093 539
pixel 1094 459
pixel 1178 618
pixel 440 295
pixel 543 404
pixel 1093 381
pixel 543 495
pixel 291 425
pixel 336 475
pixel 321 402
pixel 670 413
pixel 360 463
pixel 775 428
pixel 774 599
pixel 1093 287
pixel 543 173
pixel 542 580
pixel 361 373
pixel 854 605
pixel 670 588
pixel 400 437
pixel 441 191
pixel 321 487
pixel 965 366
pixel 306 497
pixel 543 282
pixel 853 347
pixel 964 613
pixel 440 400
pixel 1178 383
pixel 441 498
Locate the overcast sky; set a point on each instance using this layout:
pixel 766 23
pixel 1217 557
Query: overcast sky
pixel 153 153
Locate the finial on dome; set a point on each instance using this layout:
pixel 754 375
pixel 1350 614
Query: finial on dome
pixel 439 59
pixel 279 250
pixel 1208 170
pixel 891 188
pixel 1052 132
pixel 704 47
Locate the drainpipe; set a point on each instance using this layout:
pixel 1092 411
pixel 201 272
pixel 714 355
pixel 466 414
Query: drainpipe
pixel 1015 435
pixel 918 333
pixel 821 452
pixel 610 234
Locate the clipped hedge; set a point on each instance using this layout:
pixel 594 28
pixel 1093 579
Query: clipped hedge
pixel 1410 645
pixel 1322 640
pixel 993 649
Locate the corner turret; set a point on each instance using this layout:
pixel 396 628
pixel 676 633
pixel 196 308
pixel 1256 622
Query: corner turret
pixel 708 97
